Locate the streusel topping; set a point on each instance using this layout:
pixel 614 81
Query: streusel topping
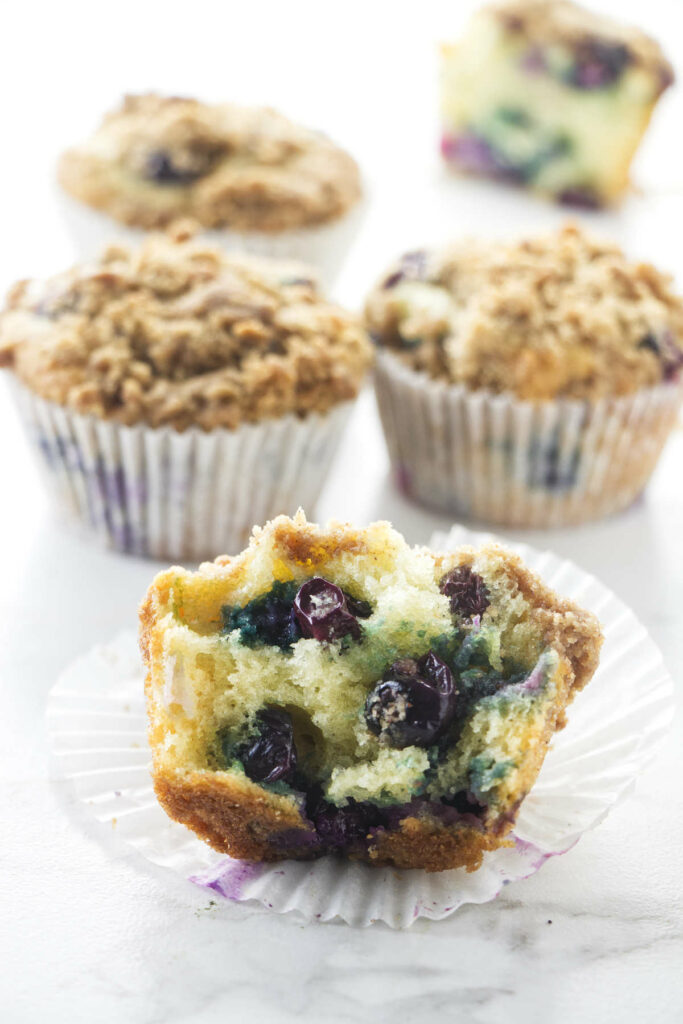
pixel 561 315
pixel 178 333
pixel 251 169
pixel 548 22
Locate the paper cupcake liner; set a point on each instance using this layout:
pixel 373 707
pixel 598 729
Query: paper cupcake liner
pixel 97 727
pixel 323 246
pixel 495 458
pixel 163 494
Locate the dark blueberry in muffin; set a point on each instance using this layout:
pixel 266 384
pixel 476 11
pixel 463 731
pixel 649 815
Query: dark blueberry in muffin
pixel 161 168
pixel 271 756
pixel 464 803
pixel 466 592
pixel 267 620
pixel 414 702
pixel 339 828
pixel 598 65
pixel 322 611
pixel 667 351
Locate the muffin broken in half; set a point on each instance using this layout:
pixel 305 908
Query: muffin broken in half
pixel 332 689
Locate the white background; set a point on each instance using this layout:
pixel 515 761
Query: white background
pixel 88 931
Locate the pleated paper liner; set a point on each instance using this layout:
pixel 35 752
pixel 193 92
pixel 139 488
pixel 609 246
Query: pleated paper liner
pixel 491 457
pixel 190 495
pixel 324 247
pixel 97 727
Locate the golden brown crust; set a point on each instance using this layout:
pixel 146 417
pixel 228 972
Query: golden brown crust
pixel 247 169
pixel 557 316
pixel 179 334
pixel 425 843
pixel 249 825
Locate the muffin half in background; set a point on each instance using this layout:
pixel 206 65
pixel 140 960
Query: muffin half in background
pixel 261 182
pixel 550 96
pixel 332 689
pixel 529 384
pixel 174 394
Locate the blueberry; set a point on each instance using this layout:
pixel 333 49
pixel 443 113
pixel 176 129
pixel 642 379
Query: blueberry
pixel 667 351
pixel 598 65
pixel 159 167
pixel 338 828
pixel 272 754
pixel 267 620
pixel 413 704
pixel 466 591
pixel 322 611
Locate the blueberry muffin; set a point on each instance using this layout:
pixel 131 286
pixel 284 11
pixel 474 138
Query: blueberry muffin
pixel 172 391
pixel 549 95
pixel 268 184
pixel 531 383
pixel 334 690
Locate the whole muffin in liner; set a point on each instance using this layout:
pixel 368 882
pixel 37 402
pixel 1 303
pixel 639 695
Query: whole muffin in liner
pixel 174 395
pixel 535 387
pixel 252 179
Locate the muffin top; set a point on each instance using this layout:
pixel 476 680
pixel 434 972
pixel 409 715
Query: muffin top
pixel 177 333
pixel 158 158
pixel 593 38
pixel 561 315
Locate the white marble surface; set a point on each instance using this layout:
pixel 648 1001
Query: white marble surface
pixel 89 931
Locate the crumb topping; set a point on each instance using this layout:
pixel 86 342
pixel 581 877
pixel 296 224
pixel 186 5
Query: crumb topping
pixel 178 333
pixel 158 158
pixel 562 315
pixel 547 22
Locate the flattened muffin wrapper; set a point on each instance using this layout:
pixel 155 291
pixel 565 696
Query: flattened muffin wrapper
pixel 97 733
pixel 495 458
pixel 323 247
pixel 158 493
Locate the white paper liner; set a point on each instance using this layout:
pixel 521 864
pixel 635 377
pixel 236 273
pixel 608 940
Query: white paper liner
pixel 97 727
pixel 323 246
pixel 496 458
pixel 159 493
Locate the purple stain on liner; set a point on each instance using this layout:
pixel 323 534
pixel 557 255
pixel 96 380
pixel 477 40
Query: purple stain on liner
pixel 403 479
pixel 527 849
pixel 229 878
